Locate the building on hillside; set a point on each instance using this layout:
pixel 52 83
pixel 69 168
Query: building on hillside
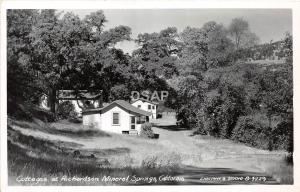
pixel 80 100
pixel 147 106
pixel 118 117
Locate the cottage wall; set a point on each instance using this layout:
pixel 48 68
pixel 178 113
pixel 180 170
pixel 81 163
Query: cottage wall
pixel 144 106
pixel 92 120
pixel 107 121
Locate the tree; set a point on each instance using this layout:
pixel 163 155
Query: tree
pixel 241 34
pixel 188 99
pixel 77 54
pixel 219 45
pixel 22 81
pixel 287 49
pixel 194 54
pixel 204 48
pixel 157 53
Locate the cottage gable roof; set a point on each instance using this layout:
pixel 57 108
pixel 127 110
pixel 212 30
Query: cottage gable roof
pixel 122 104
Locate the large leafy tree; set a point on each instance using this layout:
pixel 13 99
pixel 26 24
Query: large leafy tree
pixel 157 54
pixel 22 80
pixel 65 52
pixel 204 48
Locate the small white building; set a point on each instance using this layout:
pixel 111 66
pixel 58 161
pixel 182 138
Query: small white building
pixel 118 117
pixel 68 95
pixel 147 106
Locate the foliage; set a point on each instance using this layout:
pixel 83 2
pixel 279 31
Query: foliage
pixel 157 53
pixel 204 48
pixel 282 137
pixel 208 88
pixel 146 130
pixel 237 92
pixel 119 92
pixel 66 110
pixel 21 81
pixel 28 112
pixel 253 130
pixel 188 93
pixel 281 50
pixel 220 112
pixel 63 53
pixel 241 34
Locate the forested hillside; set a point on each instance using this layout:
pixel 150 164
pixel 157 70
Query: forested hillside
pixel 211 88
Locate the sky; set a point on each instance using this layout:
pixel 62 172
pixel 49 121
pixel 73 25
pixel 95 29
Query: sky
pixel 268 24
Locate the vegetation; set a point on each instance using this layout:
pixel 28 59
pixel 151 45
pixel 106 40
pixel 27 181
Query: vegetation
pixel 243 102
pixel 66 110
pixel 146 130
pixel 209 90
pixel 212 86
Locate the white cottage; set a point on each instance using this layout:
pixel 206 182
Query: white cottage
pixel 147 106
pixel 118 117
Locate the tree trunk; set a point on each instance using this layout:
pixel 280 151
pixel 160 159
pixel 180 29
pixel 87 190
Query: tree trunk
pixel 100 104
pixel 270 121
pixel 52 100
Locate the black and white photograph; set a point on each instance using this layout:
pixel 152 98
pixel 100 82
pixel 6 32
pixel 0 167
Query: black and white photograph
pixel 147 97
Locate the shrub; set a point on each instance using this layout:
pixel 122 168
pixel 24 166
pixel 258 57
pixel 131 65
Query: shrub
pixel 253 130
pixel 282 136
pixel 27 112
pixel 18 111
pixel 66 110
pixel 159 116
pixel 146 130
pixel 219 113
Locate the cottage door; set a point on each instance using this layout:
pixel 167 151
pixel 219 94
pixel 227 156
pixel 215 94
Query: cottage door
pixel 132 122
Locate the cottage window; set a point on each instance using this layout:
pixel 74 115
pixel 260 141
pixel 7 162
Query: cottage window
pixel 116 118
pixel 149 106
pixel 139 106
pixel 153 107
pixel 140 120
pixel 132 122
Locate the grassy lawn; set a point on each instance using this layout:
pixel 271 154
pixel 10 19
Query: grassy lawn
pixel 38 149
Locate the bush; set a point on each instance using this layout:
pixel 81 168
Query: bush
pixel 66 110
pixel 220 111
pixel 146 130
pixel 282 136
pixel 27 112
pixel 159 116
pixel 253 130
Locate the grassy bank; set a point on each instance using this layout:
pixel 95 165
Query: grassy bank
pixel 38 157
pixel 67 150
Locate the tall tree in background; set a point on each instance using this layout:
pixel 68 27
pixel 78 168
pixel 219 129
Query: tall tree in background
pixel 240 32
pixel 204 48
pixel 157 53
